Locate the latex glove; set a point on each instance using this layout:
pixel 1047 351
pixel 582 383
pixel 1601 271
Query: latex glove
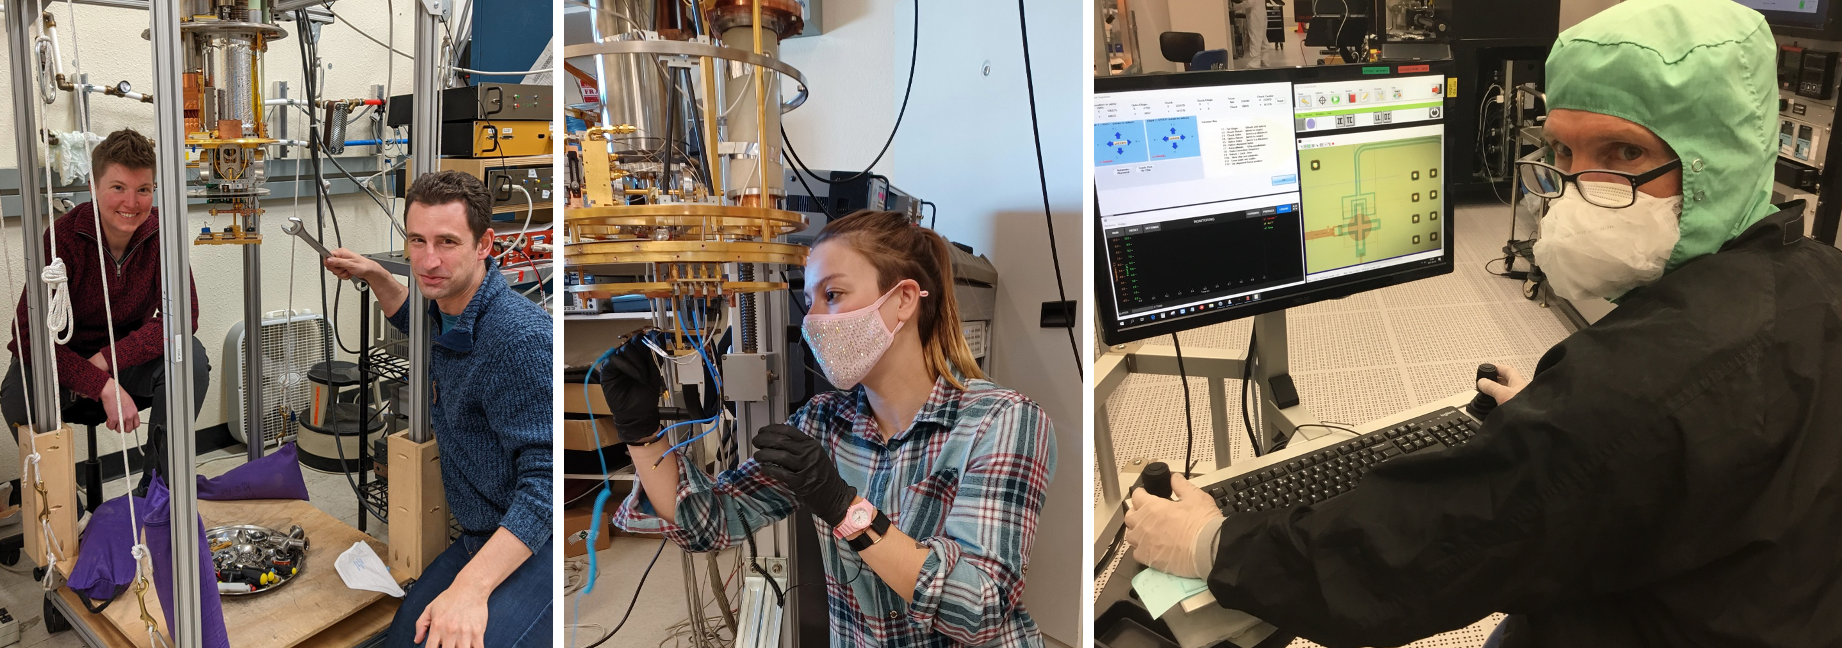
pixel 631 381
pixel 455 619
pixel 800 463
pixel 129 416
pixel 1512 384
pixel 1174 537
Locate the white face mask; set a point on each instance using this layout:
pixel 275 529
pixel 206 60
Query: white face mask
pixel 848 345
pixel 1593 252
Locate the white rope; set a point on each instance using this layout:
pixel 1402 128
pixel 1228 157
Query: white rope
pixel 57 283
pixel 139 551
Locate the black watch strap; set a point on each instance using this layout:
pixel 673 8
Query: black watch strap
pixel 878 525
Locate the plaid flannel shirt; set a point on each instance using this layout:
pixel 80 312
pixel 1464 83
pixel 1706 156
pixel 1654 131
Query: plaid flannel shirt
pixel 966 480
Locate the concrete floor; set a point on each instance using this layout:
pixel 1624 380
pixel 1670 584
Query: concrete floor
pixel 661 609
pixel 23 598
pixel 1364 357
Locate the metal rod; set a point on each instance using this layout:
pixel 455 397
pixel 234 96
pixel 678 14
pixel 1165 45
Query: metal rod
pixel 44 402
pixel 364 403
pixel 254 436
pixel 425 147
pixel 176 304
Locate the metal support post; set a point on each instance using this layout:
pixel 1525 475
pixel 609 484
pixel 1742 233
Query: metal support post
pixel 1270 359
pixel 35 215
pixel 176 304
pixel 254 437
pixel 425 146
pixel 364 402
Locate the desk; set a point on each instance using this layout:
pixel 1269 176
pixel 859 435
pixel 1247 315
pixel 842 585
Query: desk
pixel 1114 584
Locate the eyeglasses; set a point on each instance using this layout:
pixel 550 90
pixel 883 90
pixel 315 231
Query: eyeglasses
pixel 1602 187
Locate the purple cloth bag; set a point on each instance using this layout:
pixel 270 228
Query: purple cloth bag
pixel 276 475
pixel 155 525
pixel 105 562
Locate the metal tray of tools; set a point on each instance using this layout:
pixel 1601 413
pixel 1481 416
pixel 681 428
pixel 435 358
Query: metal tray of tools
pixel 252 559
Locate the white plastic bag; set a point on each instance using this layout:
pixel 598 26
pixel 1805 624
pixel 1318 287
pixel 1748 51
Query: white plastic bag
pixel 360 568
pixel 71 157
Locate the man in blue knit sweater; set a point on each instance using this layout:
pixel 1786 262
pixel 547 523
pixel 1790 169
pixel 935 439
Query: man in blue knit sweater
pixel 490 363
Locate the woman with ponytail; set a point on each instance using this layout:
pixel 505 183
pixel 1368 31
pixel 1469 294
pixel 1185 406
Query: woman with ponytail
pixel 924 479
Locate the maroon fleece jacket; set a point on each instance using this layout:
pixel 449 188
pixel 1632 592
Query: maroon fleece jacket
pixel 134 289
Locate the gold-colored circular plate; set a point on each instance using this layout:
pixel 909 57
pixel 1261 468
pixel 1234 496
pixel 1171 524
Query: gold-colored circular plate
pixel 726 219
pixel 246 142
pixel 661 289
pixel 683 252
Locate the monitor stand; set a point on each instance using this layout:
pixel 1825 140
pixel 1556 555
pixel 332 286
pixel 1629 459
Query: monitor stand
pixel 1218 366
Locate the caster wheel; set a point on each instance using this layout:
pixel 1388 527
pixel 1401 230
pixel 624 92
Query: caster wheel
pixel 38 574
pixel 54 620
pixel 9 557
pixel 1530 289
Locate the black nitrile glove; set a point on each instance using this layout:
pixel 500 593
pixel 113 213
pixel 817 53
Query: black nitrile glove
pixel 631 381
pixel 799 462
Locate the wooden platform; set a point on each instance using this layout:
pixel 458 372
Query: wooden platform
pixel 315 611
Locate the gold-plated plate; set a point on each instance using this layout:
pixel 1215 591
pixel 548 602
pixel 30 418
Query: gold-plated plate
pixel 214 26
pixel 245 142
pixel 598 253
pixel 704 219
pixel 663 289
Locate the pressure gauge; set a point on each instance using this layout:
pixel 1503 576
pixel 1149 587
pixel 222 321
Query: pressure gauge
pixel 123 87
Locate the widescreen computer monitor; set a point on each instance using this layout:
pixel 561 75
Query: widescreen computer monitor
pixel 1221 195
pixel 1799 18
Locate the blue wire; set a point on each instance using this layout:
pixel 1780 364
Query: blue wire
pixel 697 321
pixel 594 528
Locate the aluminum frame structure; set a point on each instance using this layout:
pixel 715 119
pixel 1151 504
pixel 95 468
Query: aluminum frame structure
pixel 175 268
pixel 176 306
pixel 425 151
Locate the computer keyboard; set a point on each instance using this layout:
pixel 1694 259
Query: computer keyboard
pixel 1327 473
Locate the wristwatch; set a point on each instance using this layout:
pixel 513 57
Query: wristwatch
pixel 859 517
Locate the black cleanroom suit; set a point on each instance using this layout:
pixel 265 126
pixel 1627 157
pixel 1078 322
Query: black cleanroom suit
pixel 1671 476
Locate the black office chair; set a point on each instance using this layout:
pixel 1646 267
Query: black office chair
pixel 90 414
pixel 1180 47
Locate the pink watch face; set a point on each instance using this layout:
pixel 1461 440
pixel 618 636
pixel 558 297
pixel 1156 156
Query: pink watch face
pixel 857 518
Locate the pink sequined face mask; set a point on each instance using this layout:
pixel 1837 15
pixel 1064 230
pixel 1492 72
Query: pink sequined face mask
pixel 849 344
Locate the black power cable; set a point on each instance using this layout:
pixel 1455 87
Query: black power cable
pixel 1029 81
pixel 1247 378
pixel 1189 440
pixel 914 55
pixel 637 587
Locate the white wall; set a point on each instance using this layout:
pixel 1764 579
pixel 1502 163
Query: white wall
pixel 1574 11
pixel 109 41
pixel 1206 17
pixel 966 144
pixel 1153 17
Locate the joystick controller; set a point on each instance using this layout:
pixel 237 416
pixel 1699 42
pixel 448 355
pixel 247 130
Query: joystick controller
pixel 1156 479
pixel 1481 404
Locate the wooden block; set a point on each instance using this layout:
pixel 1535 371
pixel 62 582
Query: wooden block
pixel 579 434
pixel 418 505
pixel 57 459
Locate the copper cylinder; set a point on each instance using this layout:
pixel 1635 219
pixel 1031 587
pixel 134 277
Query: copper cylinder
pixel 782 17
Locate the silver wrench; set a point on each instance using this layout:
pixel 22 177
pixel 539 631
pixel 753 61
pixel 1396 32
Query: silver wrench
pixel 294 227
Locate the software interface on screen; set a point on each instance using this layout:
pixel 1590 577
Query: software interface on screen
pixel 1210 196
pixel 1798 6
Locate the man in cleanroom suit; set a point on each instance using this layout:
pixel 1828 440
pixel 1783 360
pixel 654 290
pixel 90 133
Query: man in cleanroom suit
pixel 1672 474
